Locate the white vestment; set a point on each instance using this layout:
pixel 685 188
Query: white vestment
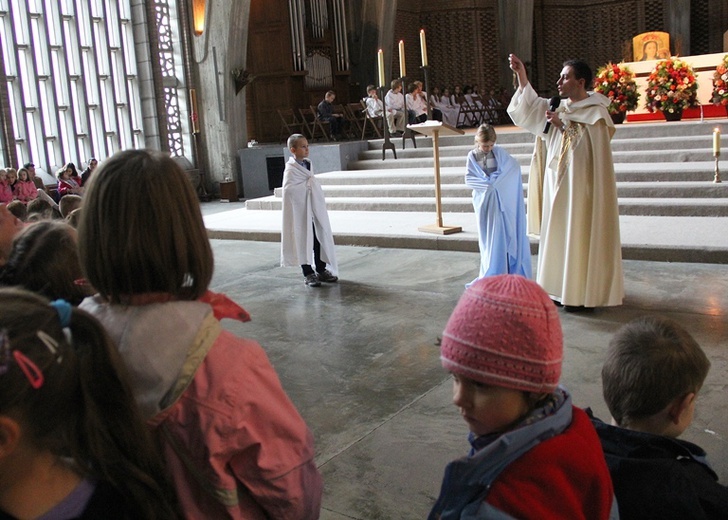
pixel 580 255
pixel 304 203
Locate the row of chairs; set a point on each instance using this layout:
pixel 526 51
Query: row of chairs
pixel 477 110
pixel 307 122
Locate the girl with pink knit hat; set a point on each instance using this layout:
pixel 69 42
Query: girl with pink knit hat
pixel 534 454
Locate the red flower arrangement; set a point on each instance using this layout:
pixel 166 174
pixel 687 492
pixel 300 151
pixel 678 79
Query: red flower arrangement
pixel 671 86
pixel 720 83
pixel 618 84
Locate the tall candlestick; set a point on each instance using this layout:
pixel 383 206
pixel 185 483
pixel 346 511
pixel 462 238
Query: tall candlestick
pixel 716 141
pixel 423 47
pixel 402 72
pixel 380 61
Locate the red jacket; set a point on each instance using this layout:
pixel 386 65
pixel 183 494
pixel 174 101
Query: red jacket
pixel 234 443
pixel 563 477
pixel 25 191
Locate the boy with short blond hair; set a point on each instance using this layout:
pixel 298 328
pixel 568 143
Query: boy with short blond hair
pixel 652 375
pixel 306 225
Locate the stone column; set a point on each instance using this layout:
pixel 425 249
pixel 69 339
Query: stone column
pixel 677 22
pixel 222 47
pixel 515 31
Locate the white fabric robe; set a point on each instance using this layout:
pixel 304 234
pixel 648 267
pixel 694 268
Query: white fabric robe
pixel 449 112
pixel 580 255
pixel 304 203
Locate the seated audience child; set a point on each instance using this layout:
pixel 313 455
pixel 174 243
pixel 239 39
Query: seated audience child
pixel 74 218
pixel 44 259
pixel 72 441
pixel 41 209
pixel 651 378
pixel 375 107
pixel 395 101
pixel 10 225
pixel 69 203
pixel 534 455
pixel 24 189
pixel 18 209
pixel 416 104
pixel 326 113
pixel 495 177
pixel 66 183
pixel 6 192
pixel 12 177
pixel 234 444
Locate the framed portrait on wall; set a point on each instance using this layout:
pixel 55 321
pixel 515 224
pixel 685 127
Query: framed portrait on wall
pixel 653 45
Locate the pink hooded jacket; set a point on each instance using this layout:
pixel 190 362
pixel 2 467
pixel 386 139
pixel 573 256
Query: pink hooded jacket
pixel 234 444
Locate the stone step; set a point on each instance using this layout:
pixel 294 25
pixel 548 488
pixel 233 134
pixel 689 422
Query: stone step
pixel 424 159
pixel 696 207
pixel 656 132
pixel 665 190
pixel 622 149
pixel 699 171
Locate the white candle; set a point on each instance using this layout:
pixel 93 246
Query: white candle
pixel 402 72
pixel 380 61
pixel 716 142
pixel 423 47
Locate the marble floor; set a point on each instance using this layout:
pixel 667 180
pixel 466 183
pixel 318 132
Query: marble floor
pixel 359 360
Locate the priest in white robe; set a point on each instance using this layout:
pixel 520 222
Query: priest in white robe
pixel 580 256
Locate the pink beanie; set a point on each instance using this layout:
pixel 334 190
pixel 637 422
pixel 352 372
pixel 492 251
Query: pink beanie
pixel 505 331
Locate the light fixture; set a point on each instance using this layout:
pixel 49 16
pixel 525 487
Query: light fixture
pixel 198 16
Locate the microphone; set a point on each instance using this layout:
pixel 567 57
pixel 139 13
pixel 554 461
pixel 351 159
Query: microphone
pixel 554 103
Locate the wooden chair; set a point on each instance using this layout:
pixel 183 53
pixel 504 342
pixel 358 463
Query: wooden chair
pixel 313 125
pixel 498 112
pixel 478 106
pixel 290 123
pixel 466 117
pixel 349 126
pixel 356 118
pixel 374 122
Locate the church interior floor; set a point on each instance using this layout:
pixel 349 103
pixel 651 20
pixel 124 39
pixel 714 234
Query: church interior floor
pixel 359 360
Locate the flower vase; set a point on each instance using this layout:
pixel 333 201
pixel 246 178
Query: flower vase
pixel 675 115
pixel 618 118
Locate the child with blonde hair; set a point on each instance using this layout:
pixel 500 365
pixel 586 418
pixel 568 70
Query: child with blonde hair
pixel 24 189
pixel 6 192
pixel 306 230
pixel 495 178
pixel 235 445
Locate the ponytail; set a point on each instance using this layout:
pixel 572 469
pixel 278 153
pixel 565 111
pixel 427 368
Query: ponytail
pixel 116 440
pixel 72 396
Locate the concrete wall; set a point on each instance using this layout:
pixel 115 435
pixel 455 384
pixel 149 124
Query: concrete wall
pixel 221 48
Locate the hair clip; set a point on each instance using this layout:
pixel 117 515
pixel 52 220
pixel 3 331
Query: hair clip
pixel 30 369
pixel 63 308
pixel 50 343
pixel 4 351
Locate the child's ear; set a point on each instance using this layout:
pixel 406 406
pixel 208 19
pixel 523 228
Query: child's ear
pixel 9 435
pixel 680 406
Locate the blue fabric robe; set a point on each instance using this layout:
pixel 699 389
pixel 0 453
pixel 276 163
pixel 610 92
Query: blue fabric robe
pixel 501 216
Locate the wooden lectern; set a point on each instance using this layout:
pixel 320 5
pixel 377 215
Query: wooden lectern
pixel 435 129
